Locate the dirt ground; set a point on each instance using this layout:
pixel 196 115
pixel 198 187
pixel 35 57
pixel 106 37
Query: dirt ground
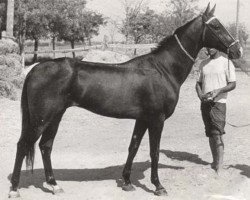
pixel 90 151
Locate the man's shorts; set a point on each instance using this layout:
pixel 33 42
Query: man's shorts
pixel 214 117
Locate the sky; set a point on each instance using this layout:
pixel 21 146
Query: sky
pixel 225 10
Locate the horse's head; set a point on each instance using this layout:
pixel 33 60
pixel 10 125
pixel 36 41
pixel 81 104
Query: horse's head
pixel 215 35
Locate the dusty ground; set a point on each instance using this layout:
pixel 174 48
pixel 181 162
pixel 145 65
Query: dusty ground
pixel 90 151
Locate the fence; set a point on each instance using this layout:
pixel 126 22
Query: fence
pixel 117 47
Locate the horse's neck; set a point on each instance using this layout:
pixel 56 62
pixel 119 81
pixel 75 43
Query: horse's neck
pixel 175 60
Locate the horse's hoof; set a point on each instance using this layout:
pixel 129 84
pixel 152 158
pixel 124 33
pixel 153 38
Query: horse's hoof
pixel 128 187
pixel 161 192
pixel 57 189
pixel 14 194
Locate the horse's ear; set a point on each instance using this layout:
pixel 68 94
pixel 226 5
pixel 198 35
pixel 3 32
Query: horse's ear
pixel 207 9
pixel 212 11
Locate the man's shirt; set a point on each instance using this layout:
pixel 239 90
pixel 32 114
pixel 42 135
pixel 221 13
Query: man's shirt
pixel 215 74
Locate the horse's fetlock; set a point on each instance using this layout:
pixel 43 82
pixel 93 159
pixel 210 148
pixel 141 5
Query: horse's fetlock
pixel 51 180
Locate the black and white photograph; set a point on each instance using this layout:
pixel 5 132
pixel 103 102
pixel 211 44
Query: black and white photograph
pixel 125 99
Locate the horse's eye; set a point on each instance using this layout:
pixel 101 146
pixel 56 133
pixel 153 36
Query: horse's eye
pixel 216 26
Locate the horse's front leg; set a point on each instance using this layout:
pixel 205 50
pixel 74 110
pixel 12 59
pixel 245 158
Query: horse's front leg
pixel 139 131
pixel 155 130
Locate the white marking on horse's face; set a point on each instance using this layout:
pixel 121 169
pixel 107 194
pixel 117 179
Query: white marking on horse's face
pixel 241 51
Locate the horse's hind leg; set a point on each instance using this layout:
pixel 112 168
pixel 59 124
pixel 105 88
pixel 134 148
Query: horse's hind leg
pixel 45 145
pixel 20 154
pixel 30 134
pixel 139 131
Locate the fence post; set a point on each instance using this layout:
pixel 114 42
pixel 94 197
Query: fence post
pixel 135 52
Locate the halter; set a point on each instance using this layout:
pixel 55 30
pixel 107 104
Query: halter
pixel 203 37
pixel 228 47
pixel 207 26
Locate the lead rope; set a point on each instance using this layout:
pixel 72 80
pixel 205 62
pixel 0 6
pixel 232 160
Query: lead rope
pixel 228 61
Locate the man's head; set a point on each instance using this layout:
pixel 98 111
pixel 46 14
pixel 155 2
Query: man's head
pixel 212 52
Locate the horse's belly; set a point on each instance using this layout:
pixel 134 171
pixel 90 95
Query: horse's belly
pixel 112 109
pixel 118 102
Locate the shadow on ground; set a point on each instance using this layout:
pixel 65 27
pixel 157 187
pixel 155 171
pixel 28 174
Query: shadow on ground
pixel 99 174
pixel 245 169
pixel 184 156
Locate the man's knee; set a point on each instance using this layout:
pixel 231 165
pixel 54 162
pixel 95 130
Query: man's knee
pixel 218 138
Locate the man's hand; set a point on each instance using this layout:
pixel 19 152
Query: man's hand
pixel 206 97
pixel 215 93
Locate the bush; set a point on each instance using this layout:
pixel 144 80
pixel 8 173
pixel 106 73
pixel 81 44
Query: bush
pixel 8 90
pixel 18 81
pixel 11 76
pixel 8 46
pixel 242 64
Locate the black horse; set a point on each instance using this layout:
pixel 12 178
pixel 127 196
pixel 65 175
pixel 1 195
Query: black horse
pixel 145 88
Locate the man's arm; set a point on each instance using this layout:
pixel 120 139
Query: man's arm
pixel 202 97
pixel 198 90
pixel 229 87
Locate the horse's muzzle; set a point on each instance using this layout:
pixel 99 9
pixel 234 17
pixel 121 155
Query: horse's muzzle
pixel 235 51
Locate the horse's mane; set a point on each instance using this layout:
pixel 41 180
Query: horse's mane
pixel 164 42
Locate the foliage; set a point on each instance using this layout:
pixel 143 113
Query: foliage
pixel 63 19
pixel 161 25
pixel 8 46
pixel 182 10
pixel 90 22
pixel 138 25
pixel 144 24
pixel 2 16
pixel 131 25
pixel 11 77
pixel 243 33
pixel 69 11
pixel 75 23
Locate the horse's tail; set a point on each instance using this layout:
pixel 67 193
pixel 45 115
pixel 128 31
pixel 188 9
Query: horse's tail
pixel 26 136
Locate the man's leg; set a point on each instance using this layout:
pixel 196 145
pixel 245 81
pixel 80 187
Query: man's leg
pixel 213 151
pixel 218 149
pixel 218 117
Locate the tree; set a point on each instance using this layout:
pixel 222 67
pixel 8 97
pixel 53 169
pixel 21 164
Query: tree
pixel 55 21
pixel 10 18
pixel 90 22
pixel 20 16
pixel 139 26
pixel 37 26
pixel 132 11
pixel 243 33
pixel 113 28
pixel 78 23
pixel 2 16
pixel 161 25
pixel 182 11
pixel 30 22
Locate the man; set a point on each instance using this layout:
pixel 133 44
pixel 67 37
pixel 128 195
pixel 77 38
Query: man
pixel 216 79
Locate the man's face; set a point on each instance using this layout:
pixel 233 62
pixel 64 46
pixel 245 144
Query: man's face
pixel 211 52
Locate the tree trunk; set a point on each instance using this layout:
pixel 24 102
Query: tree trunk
pixel 21 43
pixel 73 46
pixel 10 18
pixel 54 46
pixel 89 41
pixel 35 49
